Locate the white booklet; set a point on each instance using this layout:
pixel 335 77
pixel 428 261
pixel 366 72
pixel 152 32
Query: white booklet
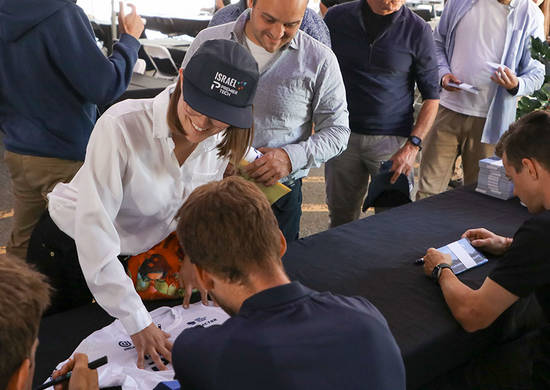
pixel 494 66
pixel 465 87
pixel 464 255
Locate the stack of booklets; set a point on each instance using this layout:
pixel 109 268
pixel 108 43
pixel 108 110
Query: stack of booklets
pixel 492 179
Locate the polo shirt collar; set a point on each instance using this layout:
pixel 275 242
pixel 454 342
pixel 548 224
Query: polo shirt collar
pixel 274 296
pixel 239 35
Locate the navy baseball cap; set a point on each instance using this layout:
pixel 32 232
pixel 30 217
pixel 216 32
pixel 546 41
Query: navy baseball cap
pixel 220 82
pixel 384 194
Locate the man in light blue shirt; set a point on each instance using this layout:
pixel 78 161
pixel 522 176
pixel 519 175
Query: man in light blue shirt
pixel 300 87
pixel 312 24
pixel 484 43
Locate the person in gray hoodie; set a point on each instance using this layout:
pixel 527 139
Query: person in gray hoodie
pixel 52 76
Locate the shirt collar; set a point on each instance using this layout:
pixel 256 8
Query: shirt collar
pixel 274 296
pixel 160 110
pixel 238 33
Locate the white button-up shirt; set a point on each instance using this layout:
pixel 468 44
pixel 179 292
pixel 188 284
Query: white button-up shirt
pixel 125 197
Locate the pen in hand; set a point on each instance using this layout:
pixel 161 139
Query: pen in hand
pixel 92 366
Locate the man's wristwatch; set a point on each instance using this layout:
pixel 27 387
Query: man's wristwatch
pixel 413 139
pixel 436 272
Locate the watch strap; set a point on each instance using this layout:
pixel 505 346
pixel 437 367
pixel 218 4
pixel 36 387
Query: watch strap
pixel 416 141
pixel 436 272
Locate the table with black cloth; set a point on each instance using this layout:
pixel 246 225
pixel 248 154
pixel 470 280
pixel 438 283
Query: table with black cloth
pixel 374 257
pixel 176 26
pixel 141 87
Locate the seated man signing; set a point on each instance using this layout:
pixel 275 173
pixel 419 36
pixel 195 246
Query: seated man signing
pixel 524 267
pixel 281 335
pixel 24 295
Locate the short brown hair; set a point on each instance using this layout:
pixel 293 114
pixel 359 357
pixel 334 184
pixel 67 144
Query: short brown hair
pixel 24 295
pixel 528 137
pixel 235 140
pixel 227 227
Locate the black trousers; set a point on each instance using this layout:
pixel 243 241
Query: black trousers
pixel 54 254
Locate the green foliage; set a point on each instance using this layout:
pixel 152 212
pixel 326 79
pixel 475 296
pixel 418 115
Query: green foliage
pixel 539 100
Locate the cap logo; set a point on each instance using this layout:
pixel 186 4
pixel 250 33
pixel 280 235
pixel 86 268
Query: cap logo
pixel 227 85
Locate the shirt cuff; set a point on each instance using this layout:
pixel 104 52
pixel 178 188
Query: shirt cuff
pixel 297 155
pixel 513 91
pixel 130 41
pixel 137 321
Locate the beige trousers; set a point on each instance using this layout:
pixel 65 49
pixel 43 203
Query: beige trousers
pixel 32 178
pixel 452 134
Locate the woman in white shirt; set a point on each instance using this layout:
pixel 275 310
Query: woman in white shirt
pixel 143 159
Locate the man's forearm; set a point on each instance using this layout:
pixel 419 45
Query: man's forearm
pixel 426 118
pixel 460 299
pixel 475 309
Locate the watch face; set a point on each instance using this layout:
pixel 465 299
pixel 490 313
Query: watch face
pixel 415 140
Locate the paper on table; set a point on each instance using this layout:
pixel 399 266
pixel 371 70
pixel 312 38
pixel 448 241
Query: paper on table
pixel 465 87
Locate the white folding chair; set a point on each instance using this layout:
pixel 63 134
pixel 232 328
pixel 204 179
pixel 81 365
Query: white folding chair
pixel 155 52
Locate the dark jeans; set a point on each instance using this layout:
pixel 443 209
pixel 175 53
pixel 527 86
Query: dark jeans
pixel 54 254
pixel 288 211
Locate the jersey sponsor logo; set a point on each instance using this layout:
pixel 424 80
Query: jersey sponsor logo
pixel 203 321
pixel 126 345
pixel 150 364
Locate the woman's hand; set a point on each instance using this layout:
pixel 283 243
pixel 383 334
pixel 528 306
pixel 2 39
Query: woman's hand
pixel 153 342
pixel 188 279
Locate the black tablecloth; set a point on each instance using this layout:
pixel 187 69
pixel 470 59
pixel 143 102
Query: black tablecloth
pixel 374 258
pixel 141 87
pixel 175 26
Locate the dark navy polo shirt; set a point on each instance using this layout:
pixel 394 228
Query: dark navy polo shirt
pixel 291 337
pixel 380 77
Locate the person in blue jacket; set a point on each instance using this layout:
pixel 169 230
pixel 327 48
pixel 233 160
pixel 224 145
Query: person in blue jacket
pixel 52 77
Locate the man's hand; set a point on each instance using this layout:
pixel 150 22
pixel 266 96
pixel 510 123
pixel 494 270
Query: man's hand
pixel 403 161
pixel 272 166
pixel 188 279
pixel 82 378
pixel 434 257
pixel 449 77
pixel 505 78
pixel 488 241
pixel 153 342
pixel 130 24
